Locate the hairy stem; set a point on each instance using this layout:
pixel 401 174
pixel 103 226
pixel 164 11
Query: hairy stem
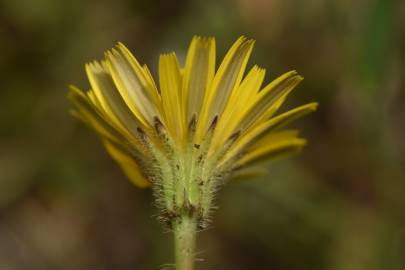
pixel 185 230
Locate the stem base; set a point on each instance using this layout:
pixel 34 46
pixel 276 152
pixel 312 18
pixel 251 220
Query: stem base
pixel 185 230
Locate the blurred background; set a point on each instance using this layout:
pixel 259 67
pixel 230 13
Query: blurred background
pixel 340 205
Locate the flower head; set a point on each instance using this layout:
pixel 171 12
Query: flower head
pixel 200 126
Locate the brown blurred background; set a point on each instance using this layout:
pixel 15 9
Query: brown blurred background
pixel 340 205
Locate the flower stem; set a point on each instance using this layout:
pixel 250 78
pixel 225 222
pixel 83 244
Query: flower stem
pixel 185 230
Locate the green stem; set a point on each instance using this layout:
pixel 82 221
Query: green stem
pixel 185 230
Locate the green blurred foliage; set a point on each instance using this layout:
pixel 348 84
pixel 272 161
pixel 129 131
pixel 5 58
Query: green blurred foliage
pixel 340 205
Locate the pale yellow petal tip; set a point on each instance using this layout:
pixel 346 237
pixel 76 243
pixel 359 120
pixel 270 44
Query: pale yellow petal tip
pixel 122 47
pixel 202 38
pixel 292 73
pixel 313 106
pixel 244 41
pixel 202 42
pixel 114 52
pixel 73 87
pixel 120 44
pixel 241 39
pixel 93 66
pixel 167 55
pixel 74 90
pixel 300 142
pixel 75 114
pixel 291 146
pixel 137 181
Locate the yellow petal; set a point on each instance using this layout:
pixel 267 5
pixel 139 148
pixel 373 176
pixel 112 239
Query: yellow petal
pixel 151 81
pixel 270 97
pixel 94 100
pixel 198 73
pixel 284 119
pixel 127 164
pixel 272 146
pixel 93 114
pixel 170 87
pixel 225 81
pixel 134 85
pixel 235 108
pixel 109 97
pixel 256 132
pixel 89 113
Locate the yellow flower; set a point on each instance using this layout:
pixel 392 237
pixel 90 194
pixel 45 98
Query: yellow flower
pixel 200 126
